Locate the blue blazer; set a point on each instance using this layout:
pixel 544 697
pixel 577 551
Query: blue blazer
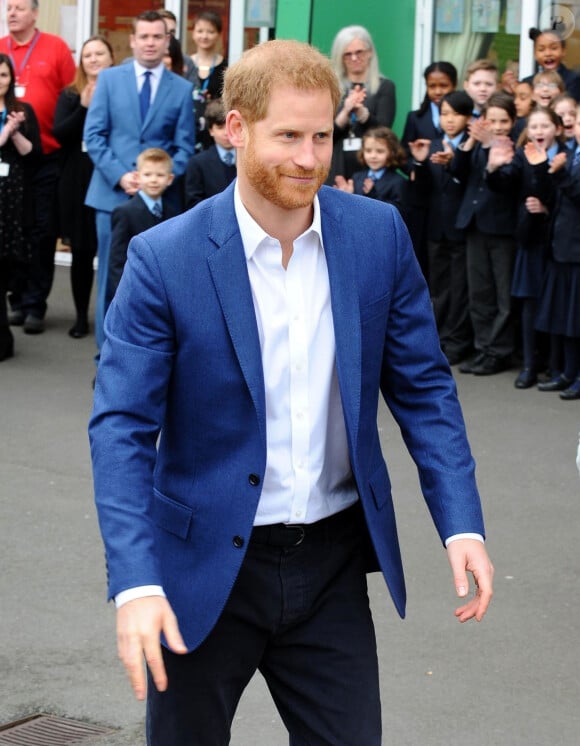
pixel 182 363
pixel 115 135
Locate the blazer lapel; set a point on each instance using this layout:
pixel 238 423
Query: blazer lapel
pixel 340 253
pixel 229 271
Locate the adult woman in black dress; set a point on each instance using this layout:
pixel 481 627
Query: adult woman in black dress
pixel 78 221
pixel 19 143
pixel 207 72
pixel 369 98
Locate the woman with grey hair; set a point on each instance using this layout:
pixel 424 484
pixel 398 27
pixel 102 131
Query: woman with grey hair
pixel 368 97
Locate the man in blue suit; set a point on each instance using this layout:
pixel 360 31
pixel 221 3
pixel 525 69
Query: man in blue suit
pixel 240 485
pixel 135 106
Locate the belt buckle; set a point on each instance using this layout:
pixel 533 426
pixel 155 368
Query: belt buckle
pixel 301 533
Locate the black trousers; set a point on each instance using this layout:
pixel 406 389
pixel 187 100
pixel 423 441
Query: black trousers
pixel 300 615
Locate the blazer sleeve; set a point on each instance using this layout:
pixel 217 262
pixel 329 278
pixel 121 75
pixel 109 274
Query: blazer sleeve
pixel 97 132
pixel 184 131
pixel 69 119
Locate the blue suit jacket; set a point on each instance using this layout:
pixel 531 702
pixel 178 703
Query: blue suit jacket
pixel 115 135
pixel 182 358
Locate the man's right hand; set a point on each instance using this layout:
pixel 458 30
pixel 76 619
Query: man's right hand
pixel 139 626
pixel 129 183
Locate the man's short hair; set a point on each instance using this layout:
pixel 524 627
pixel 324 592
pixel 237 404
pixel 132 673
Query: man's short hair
pixel 249 82
pixel 477 65
pixel 154 155
pixel 149 16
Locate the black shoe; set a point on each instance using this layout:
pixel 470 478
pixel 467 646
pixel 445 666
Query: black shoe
pixel 491 365
pixel 572 392
pixel 33 324
pixel 526 379
pixel 471 362
pixel 79 330
pixel 559 383
pixel 16 317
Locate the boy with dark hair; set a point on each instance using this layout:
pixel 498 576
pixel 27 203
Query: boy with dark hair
pixel 210 171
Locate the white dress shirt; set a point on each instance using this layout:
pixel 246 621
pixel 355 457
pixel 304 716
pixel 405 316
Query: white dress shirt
pixel 155 79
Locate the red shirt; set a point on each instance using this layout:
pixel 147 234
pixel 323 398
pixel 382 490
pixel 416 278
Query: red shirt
pixel 49 68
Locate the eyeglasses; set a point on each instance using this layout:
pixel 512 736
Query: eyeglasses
pixel 355 54
pixel 551 86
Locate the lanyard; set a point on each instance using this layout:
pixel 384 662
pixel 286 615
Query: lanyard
pixel 18 72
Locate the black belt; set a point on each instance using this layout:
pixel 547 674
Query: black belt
pixel 293 534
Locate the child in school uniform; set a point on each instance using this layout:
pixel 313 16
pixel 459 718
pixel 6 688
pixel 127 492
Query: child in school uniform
pixel 481 79
pixel 559 309
pixel 382 155
pixel 565 107
pixel 525 171
pixel 489 220
pixel 19 144
pixel 440 78
pixel 446 243
pixel 144 210
pixel 547 84
pixel 210 171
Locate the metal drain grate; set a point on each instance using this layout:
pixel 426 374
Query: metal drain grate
pixel 47 730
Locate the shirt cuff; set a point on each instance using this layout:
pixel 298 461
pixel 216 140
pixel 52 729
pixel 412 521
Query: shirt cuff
pixel 142 591
pixel 455 537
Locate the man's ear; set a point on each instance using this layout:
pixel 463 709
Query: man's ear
pixel 236 128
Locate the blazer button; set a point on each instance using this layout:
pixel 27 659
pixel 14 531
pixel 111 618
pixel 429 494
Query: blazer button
pixel 238 542
pixel 254 480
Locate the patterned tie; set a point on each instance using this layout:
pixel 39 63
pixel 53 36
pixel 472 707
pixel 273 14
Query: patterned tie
pixel 576 160
pixel 145 95
pixel 229 159
pixel 156 210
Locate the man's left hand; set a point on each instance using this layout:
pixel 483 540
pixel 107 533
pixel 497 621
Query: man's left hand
pixel 470 555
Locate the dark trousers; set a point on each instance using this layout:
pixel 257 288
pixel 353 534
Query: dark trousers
pixel 448 290
pixel 44 233
pixel 300 615
pixel 490 261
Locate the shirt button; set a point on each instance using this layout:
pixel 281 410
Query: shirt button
pixel 254 480
pixel 298 514
pixel 238 542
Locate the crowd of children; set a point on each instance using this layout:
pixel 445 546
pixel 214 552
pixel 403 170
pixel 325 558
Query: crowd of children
pixel 489 184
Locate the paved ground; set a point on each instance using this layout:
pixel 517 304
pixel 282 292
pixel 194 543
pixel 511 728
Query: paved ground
pixel 511 681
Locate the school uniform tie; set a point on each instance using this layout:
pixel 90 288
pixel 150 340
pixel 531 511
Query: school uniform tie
pixel 576 159
pixel 145 95
pixel 229 159
pixel 156 210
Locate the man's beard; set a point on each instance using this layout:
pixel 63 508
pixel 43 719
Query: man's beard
pixel 273 184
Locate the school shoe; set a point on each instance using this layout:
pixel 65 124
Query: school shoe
pixel 526 378
pixel 471 362
pixel 572 392
pixel 490 365
pixel 557 383
pixel 33 324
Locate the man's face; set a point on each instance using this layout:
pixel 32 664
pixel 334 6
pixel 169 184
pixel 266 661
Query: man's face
pixel 149 42
pixel 480 85
pixel 20 17
pixel 286 156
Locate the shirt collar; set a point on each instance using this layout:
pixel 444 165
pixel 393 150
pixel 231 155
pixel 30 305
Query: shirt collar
pixel 454 142
pixel 222 151
pixel 253 235
pixel 156 71
pixel 149 201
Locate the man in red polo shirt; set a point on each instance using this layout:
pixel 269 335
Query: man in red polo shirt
pixel 43 66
